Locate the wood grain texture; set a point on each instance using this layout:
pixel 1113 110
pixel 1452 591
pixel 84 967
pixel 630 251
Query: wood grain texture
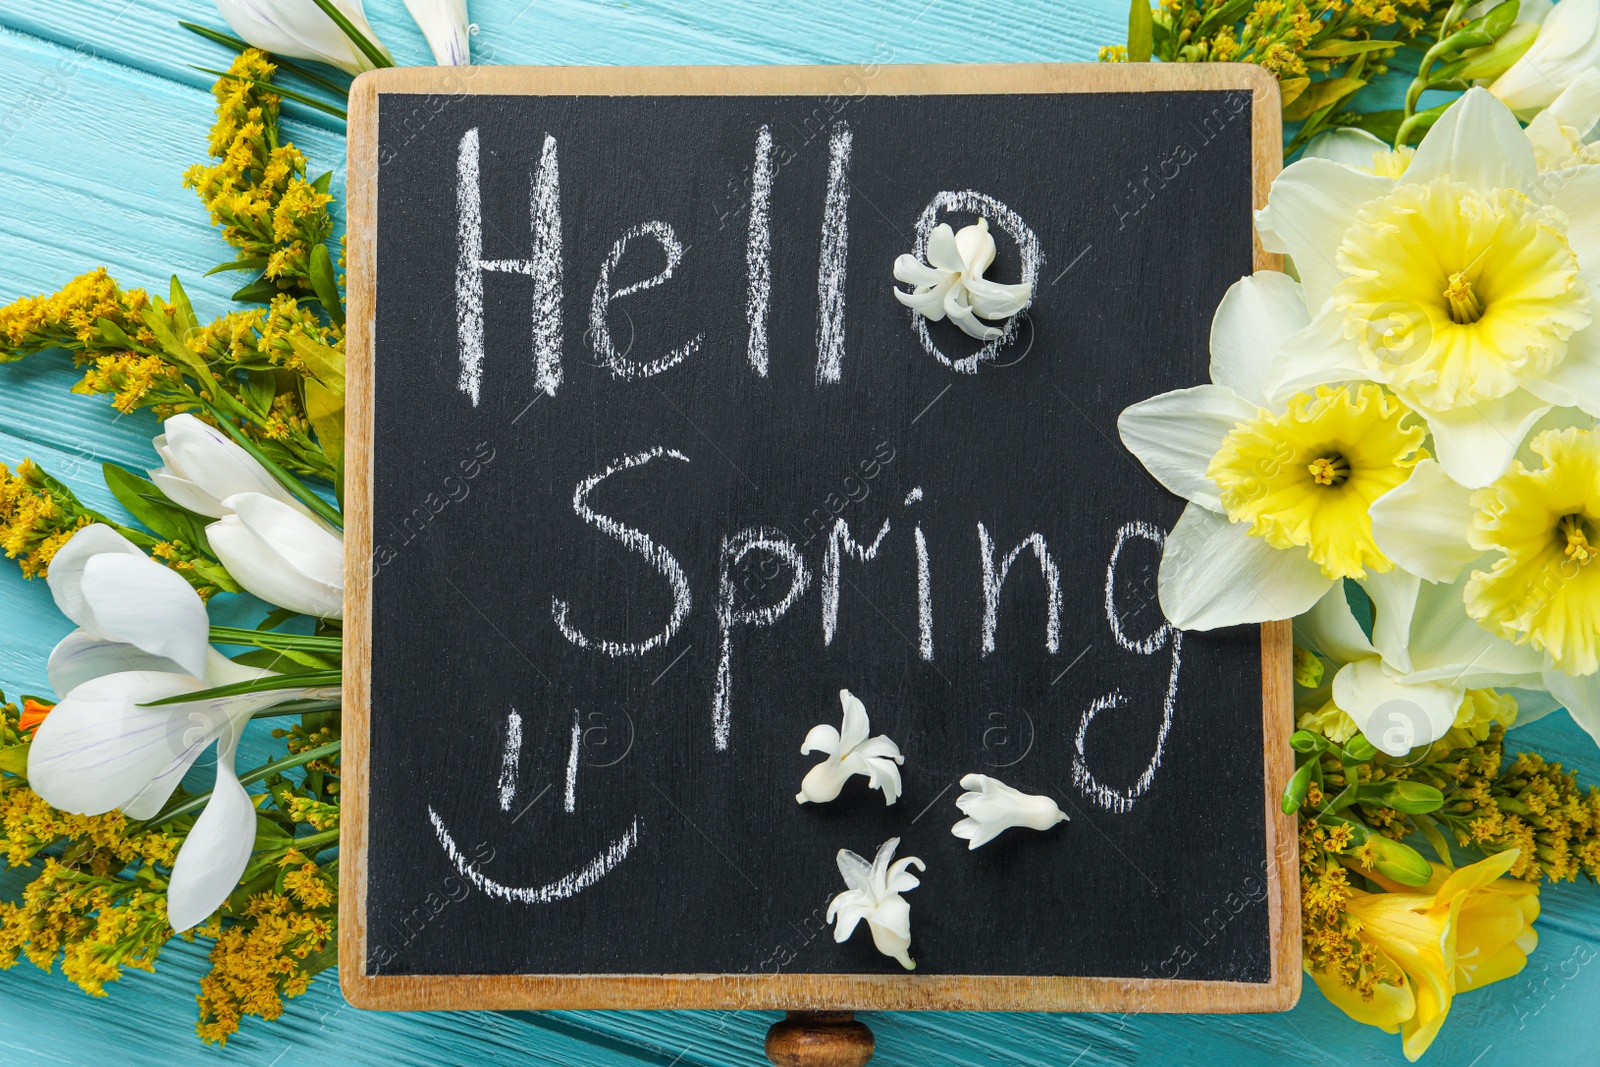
pixel 92 178
pixel 783 990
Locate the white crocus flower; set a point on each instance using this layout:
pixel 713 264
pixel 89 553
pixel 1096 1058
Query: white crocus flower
pixel 202 467
pixel 281 554
pixel 1567 45
pixel 850 752
pixel 874 895
pixel 1464 285
pixel 991 807
pixel 142 637
pixel 952 283
pixel 1405 687
pixel 444 24
pixel 1277 493
pixel 1567 133
pixel 299 29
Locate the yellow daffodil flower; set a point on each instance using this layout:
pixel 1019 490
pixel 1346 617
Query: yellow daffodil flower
pixel 1462 284
pixel 1278 492
pixel 1520 553
pixel 1461 931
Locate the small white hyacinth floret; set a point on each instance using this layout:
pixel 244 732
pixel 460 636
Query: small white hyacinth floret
pixel 850 752
pixel 952 284
pixel 874 895
pixel 991 807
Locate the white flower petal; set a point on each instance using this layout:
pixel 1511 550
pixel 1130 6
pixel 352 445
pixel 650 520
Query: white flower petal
pixel 1447 645
pixel 138 601
pixel 80 656
pixel 299 30
pixel 992 300
pixel 1214 574
pixel 97 749
pixel 847 910
pixel 1320 354
pixel 821 738
pixel 1575 381
pixel 1311 205
pixel 1476 442
pixel 1422 524
pixel 856 870
pixel 153 797
pixel 822 783
pixel 1576 194
pixel 1579 695
pixel 1395 717
pixel 1479 142
pixel 855 726
pixel 216 851
pixel 1176 434
pixel 65 576
pixel 1394 603
pixel 280 555
pixel 960 313
pixel 216 467
pixel 908 269
pixel 929 303
pixel 1347 145
pixel 976 247
pixel 943 251
pixel 1568 43
pixel 184 493
pixel 1330 629
pixel 993 807
pixel 1257 315
pixel 444 24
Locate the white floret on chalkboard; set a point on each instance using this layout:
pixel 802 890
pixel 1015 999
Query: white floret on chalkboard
pixel 850 752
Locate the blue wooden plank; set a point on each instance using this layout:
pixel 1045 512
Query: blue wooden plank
pixel 98 115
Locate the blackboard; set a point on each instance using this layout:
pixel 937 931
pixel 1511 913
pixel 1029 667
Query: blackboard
pixel 647 464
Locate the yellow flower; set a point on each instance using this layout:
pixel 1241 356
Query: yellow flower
pixel 1307 477
pixel 1485 283
pixel 1330 721
pixel 1544 589
pixel 1461 931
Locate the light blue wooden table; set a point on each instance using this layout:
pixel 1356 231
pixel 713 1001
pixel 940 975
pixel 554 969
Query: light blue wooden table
pixel 99 113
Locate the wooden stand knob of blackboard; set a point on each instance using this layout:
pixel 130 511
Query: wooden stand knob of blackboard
pixel 820 1039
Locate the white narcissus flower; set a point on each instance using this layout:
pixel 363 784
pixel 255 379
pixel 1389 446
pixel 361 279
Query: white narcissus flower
pixel 1522 554
pixel 1278 493
pixel 202 467
pixel 952 282
pixel 444 24
pixel 281 554
pixel 1464 286
pixel 850 752
pixel 299 29
pixel 874 895
pixel 1420 672
pixel 143 637
pixel 1565 133
pixel 1567 45
pixel 991 807
pixel 1361 150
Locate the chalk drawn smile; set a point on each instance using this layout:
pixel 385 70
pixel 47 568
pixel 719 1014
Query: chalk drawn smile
pixel 569 885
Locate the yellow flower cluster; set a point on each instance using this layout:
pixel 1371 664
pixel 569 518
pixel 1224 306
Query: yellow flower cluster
pixel 261 338
pixel 133 380
pixel 272 953
pixel 1533 806
pixel 257 192
pixel 1329 933
pixel 70 318
pixel 37 517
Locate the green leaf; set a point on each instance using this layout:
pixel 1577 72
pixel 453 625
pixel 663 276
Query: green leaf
pixel 277 618
pixel 367 48
pixel 145 503
pixel 325 283
pixel 323 181
pixel 253 263
pixel 1329 92
pixel 282 64
pixel 1347 48
pixel 308 680
pixel 260 291
pixel 1294 794
pixel 14 759
pixel 1308 669
pixel 1411 798
pixel 233 635
pixel 1381 124
pixel 216 574
pixel 1430 831
pixel 184 316
pixel 325 409
pixel 1141 33
pixel 325 362
pixel 112 334
pixel 1305 741
pixel 1291 88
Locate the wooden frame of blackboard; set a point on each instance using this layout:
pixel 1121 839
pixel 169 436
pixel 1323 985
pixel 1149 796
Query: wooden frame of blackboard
pixel 767 991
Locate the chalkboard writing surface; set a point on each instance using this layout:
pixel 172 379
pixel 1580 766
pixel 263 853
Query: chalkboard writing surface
pixel 646 464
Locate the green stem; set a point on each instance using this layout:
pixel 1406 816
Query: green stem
pixel 277 90
pixel 199 800
pixel 278 61
pixel 285 479
pixel 1419 84
pixel 306 707
pixel 357 38
pixel 233 635
pixel 328 679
